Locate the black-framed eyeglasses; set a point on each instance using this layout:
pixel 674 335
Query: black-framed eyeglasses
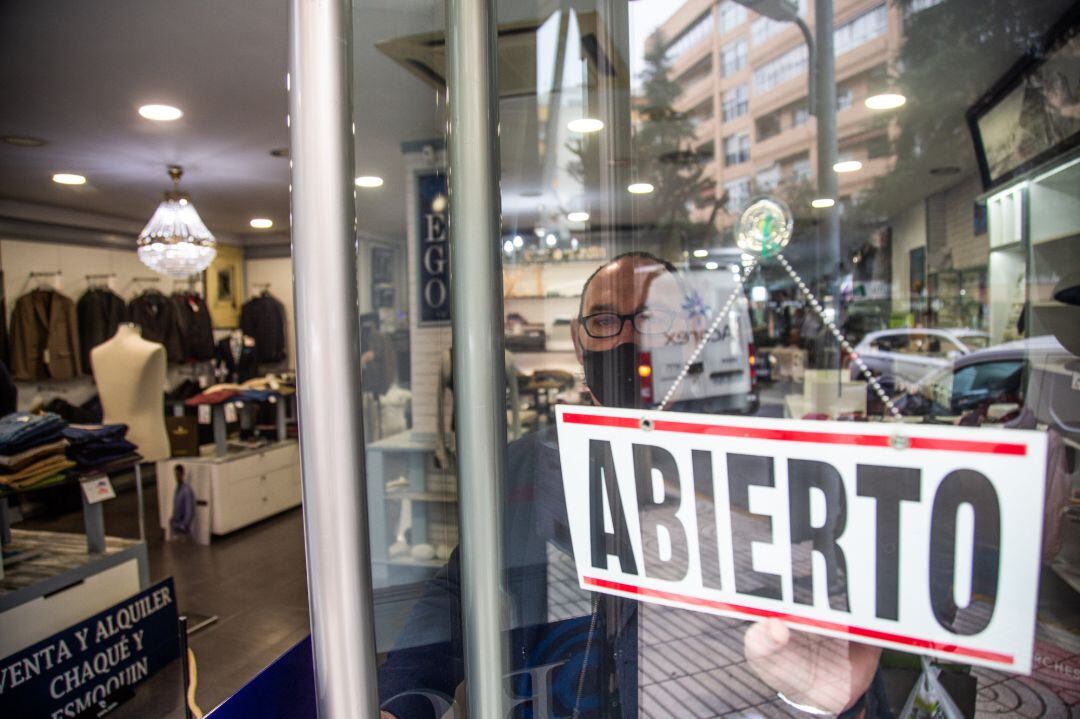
pixel 604 325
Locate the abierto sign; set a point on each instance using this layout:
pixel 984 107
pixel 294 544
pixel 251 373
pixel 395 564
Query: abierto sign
pixel 919 538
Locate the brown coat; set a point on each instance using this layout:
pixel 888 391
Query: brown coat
pixel 44 337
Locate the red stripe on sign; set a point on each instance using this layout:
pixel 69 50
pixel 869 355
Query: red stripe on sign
pixel 792 435
pixel 806 621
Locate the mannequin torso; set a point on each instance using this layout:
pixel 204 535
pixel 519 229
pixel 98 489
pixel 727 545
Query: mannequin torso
pixel 130 376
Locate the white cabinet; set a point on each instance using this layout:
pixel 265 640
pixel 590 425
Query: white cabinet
pixel 234 491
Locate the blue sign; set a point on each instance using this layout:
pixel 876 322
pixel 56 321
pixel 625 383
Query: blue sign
pixel 285 689
pixel 433 251
pixel 77 669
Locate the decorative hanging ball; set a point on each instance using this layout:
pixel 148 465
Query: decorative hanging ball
pixel 765 227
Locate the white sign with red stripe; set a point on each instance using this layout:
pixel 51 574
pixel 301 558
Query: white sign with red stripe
pixel 916 537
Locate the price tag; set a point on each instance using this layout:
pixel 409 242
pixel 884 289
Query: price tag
pixel 97 489
pixel 230 413
pixel 204 414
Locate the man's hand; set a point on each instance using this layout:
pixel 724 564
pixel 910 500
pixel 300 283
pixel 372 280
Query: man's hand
pixel 820 672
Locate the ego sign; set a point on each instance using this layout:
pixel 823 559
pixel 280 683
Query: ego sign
pixel 924 539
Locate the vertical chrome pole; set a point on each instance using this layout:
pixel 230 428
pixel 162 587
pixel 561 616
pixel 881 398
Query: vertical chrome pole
pixel 479 381
pixel 825 101
pixel 328 360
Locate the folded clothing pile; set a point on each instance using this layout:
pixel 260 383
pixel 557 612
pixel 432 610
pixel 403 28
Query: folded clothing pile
pixel 31 449
pixel 99 447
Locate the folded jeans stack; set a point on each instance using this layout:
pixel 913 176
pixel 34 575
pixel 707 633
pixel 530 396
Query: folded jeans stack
pixel 99 446
pixel 31 449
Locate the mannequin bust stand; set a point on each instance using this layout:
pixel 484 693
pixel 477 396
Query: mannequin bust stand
pixel 130 374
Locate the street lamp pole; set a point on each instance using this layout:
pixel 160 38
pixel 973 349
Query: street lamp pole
pixel 823 59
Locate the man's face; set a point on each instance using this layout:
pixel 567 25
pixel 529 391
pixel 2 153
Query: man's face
pixel 627 287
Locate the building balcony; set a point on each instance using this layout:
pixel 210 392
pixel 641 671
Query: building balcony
pixel 695 93
pixel 783 144
pixel 691 57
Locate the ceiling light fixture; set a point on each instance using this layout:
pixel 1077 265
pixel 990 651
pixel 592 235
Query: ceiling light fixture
pixel 885 101
pixel 519 241
pixel 508 247
pixel 578 216
pixel 712 265
pixel 585 125
pixel 161 113
pixel 640 188
pixel 262 223
pixel 22 141
pixel 175 242
pixel 847 166
pixel 701 253
pixel 369 181
pixel 551 240
pixel 66 178
pixel 822 203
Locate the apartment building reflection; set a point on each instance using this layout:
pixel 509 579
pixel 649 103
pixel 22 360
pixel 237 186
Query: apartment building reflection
pixel 744 85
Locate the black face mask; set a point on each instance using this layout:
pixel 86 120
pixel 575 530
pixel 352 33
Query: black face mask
pixel 612 376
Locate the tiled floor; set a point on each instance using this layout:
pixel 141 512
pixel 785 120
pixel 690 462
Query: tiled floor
pixel 253 580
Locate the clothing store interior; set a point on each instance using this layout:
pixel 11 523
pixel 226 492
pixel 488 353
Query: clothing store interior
pixel 924 171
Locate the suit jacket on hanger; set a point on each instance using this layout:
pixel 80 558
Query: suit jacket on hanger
pixel 44 337
pixel 155 314
pixel 241 368
pixel 263 318
pixel 100 312
pixel 196 330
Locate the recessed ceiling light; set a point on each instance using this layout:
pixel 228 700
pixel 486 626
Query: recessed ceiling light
pixel 21 141
pixel 847 166
pixel 161 113
pixel 551 240
pixel 712 265
pixel 369 181
pixel 822 202
pixel 945 170
pixel 508 247
pixel 701 253
pixel 65 178
pixel 519 241
pixel 640 188
pixel 280 152
pixel 262 223
pixel 578 216
pixel 585 125
pixel 885 101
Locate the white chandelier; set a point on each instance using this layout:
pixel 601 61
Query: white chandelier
pixel 175 242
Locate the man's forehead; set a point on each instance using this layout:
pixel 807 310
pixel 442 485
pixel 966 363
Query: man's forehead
pixel 635 280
